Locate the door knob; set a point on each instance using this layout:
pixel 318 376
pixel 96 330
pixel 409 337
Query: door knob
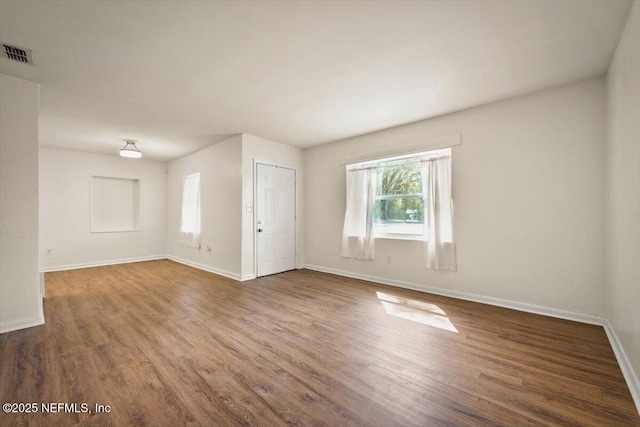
pixel 259 230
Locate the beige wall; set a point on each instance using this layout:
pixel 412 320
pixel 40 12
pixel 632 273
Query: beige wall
pixel 20 297
pixel 65 210
pixel 220 168
pixel 528 184
pixel 623 195
pixel 226 177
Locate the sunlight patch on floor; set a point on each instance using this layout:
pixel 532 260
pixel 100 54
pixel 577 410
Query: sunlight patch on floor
pixel 416 311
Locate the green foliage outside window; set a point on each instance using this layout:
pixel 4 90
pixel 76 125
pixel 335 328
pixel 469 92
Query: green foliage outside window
pixel 399 193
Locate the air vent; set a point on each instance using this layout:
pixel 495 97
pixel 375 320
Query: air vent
pixel 16 54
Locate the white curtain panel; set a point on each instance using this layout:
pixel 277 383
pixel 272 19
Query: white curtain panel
pixel 438 244
pixel 190 218
pixel 357 234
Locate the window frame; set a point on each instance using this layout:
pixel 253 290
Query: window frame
pixel 182 204
pixel 378 232
pixel 97 226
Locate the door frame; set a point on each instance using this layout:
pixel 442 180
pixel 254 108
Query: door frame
pixel 257 162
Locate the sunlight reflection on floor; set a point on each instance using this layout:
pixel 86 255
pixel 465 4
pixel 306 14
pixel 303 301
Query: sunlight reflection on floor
pixel 416 311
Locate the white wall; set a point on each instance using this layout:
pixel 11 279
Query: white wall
pixel 65 210
pixel 260 149
pixel 20 297
pixel 220 168
pixel 528 184
pixel 623 195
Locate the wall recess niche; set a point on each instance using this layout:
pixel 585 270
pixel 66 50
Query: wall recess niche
pixel 115 205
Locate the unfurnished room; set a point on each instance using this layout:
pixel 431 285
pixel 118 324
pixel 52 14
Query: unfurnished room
pixel 320 213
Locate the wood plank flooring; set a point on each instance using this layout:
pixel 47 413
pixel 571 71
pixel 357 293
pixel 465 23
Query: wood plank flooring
pixel 165 344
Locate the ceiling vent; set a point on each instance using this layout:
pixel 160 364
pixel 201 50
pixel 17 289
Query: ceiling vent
pixel 16 54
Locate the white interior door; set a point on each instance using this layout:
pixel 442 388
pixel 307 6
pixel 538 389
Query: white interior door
pixel 275 219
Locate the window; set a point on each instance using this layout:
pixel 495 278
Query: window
pixel 399 198
pixel 404 197
pixel 399 208
pixel 190 218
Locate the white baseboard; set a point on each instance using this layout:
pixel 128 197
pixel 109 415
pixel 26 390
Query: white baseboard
pixel 625 366
pixel 220 272
pixel 627 370
pixel 520 306
pixel 21 324
pixel 101 263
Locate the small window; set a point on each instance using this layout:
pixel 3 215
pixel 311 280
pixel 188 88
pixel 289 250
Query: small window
pixel 399 207
pixel 399 199
pixel 190 216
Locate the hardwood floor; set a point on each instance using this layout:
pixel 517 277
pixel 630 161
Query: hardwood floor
pixel 165 344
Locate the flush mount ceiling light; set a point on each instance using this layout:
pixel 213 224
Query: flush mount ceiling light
pixel 130 150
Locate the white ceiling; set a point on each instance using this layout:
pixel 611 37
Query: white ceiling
pixel 179 76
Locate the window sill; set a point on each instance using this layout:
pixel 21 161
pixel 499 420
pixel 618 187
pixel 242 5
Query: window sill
pixel 114 231
pixel 414 237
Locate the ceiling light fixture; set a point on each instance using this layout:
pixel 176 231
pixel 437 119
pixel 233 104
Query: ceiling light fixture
pixel 130 150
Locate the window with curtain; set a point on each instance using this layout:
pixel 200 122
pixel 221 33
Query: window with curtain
pixel 404 197
pixel 190 217
pixel 399 204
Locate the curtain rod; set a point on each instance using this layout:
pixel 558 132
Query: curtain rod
pixel 421 160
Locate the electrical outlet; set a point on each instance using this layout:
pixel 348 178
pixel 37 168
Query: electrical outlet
pixel 388 259
pixel 48 251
